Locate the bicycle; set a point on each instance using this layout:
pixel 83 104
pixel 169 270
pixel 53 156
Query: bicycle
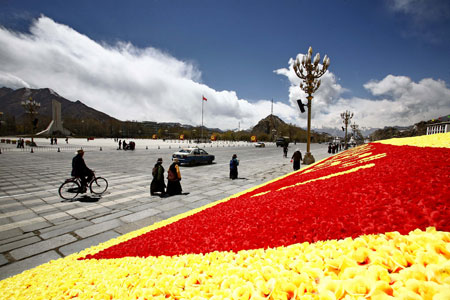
pixel 71 187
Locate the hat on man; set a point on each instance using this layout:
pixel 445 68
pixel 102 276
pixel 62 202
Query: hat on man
pixel 81 151
pixel 159 160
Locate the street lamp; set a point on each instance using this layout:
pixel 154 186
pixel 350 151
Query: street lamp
pixel 31 107
pixel 346 116
pixel 354 128
pixel 309 71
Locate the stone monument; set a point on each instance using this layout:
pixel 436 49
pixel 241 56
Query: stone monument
pixel 55 127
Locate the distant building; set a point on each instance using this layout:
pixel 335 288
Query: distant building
pixel 438 128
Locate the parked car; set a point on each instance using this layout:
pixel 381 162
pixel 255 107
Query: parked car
pixel 260 145
pixel 193 156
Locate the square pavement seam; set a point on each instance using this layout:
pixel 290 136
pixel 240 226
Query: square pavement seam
pixel 42 246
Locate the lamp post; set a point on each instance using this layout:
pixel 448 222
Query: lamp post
pixel 274 133
pixel 346 117
pixel 309 71
pixel 354 128
pixel 31 107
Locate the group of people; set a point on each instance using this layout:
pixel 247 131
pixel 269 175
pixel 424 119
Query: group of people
pixel 54 140
pixel 21 143
pixel 158 185
pixel 126 146
pixel 334 148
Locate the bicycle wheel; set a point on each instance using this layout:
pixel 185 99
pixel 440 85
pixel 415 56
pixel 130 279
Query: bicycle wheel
pixel 69 190
pixel 99 185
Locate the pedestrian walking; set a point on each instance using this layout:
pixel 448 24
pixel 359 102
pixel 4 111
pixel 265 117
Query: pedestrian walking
pixel 51 141
pixel 67 140
pixel 157 185
pixel 174 178
pixel 234 163
pixel 296 159
pixel 120 144
pixel 285 149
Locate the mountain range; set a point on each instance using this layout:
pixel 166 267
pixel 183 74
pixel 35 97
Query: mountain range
pixel 10 104
pixel 10 107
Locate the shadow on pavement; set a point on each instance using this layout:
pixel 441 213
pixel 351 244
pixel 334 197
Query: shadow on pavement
pixel 85 198
pixel 197 165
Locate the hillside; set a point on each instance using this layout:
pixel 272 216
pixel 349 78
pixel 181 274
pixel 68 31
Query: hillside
pixel 272 126
pixel 10 104
pixel 77 117
pixel 266 125
pixel 408 131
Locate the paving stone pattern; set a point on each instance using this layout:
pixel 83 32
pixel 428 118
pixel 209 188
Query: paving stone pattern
pixel 37 226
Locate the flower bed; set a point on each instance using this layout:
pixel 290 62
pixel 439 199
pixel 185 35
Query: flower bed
pixel 369 222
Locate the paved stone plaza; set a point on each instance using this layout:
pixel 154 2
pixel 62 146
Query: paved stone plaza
pixel 37 226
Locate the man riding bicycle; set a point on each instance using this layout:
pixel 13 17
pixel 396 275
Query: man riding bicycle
pixel 79 169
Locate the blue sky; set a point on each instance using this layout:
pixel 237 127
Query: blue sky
pixel 232 49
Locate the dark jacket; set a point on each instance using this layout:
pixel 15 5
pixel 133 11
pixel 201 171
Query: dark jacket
pixel 297 156
pixel 79 167
pixel 234 163
pixel 174 185
pixel 157 184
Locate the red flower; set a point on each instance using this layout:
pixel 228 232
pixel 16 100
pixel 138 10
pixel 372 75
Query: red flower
pixel 406 189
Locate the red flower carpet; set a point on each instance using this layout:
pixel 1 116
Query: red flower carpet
pixel 388 197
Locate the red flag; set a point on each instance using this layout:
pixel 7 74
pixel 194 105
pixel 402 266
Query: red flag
pixel 204 99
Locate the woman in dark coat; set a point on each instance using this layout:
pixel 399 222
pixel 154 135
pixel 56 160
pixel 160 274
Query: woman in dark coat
pixel 174 178
pixel 296 159
pixel 158 185
pixel 234 163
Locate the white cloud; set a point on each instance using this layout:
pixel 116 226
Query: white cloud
pixel 421 10
pixel 121 80
pixel 12 81
pixel 130 83
pixel 398 101
pixel 424 19
pixel 408 102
